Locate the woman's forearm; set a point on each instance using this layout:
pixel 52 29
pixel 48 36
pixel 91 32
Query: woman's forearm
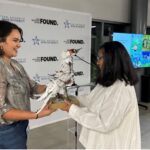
pixel 15 114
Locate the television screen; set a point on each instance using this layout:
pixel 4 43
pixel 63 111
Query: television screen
pixel 138 47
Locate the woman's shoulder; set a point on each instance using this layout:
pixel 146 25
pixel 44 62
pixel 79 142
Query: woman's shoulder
pixel 117 84
pixel 120 90
pixel 16 62
pixel 2 64
pixel 123 87
pixel 120 86
pixel 121 83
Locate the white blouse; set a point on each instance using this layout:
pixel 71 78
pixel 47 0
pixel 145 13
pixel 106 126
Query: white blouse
pixel 109 118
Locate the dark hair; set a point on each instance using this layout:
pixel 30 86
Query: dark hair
pixel 117 65
pixel 6 28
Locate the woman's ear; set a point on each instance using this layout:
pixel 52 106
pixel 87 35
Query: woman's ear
pixel 1 48
pixel 1 45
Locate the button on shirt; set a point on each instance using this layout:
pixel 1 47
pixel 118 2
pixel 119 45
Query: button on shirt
pixel 16 88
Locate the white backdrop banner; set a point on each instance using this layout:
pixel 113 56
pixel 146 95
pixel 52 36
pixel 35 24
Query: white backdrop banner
pixel 48 32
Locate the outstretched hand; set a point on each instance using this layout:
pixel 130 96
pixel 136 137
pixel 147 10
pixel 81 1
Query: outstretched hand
pixel 66 106
pixel 47 110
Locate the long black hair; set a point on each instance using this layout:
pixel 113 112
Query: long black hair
pixel 117 65
pixel 6 28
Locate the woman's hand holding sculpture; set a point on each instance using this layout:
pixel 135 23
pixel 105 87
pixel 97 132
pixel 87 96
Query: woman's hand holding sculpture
pixel 67 105
pixel 46 111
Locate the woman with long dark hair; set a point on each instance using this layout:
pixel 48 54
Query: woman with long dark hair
pixel 109 115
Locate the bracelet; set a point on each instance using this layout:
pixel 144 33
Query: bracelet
pixel 37 116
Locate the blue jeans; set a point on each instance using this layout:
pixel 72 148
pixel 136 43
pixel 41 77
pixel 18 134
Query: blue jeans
pixel 14 136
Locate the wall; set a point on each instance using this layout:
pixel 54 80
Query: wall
pixel 112 10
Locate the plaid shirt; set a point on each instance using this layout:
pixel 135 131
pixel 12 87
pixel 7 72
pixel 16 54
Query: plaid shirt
pixel 16 88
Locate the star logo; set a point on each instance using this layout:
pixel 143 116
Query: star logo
pixel 36 41
pixel 67 24
pixel 36 78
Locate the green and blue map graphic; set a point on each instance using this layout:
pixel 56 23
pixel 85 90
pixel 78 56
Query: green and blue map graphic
pixel 138 47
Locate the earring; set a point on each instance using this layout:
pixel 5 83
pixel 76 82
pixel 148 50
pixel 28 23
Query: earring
pixel 1 51
pixel 1 47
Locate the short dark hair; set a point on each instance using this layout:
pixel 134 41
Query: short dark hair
pixel 117 65
pixel 6 28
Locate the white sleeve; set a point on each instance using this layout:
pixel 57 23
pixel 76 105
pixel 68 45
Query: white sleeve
pixel 109 116
pixel 83 99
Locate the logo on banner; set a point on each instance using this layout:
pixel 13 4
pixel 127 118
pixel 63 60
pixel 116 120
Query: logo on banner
pixel 73 41
pixel 37 41
pixel 12 18
pixel 45 59
pixel 68 24
pixel 39 78
pixel 78 73
pixel 45 21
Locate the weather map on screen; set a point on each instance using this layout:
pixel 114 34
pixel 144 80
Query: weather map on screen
pixel 138 47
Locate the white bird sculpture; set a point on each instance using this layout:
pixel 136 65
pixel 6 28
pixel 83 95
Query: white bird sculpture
pixel 62 78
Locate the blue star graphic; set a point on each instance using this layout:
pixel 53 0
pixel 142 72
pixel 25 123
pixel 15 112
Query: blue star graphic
pixel 67 24
pixel 36 41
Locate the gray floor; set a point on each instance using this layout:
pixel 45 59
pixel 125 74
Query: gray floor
pixel 61 135
pixel 145 126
